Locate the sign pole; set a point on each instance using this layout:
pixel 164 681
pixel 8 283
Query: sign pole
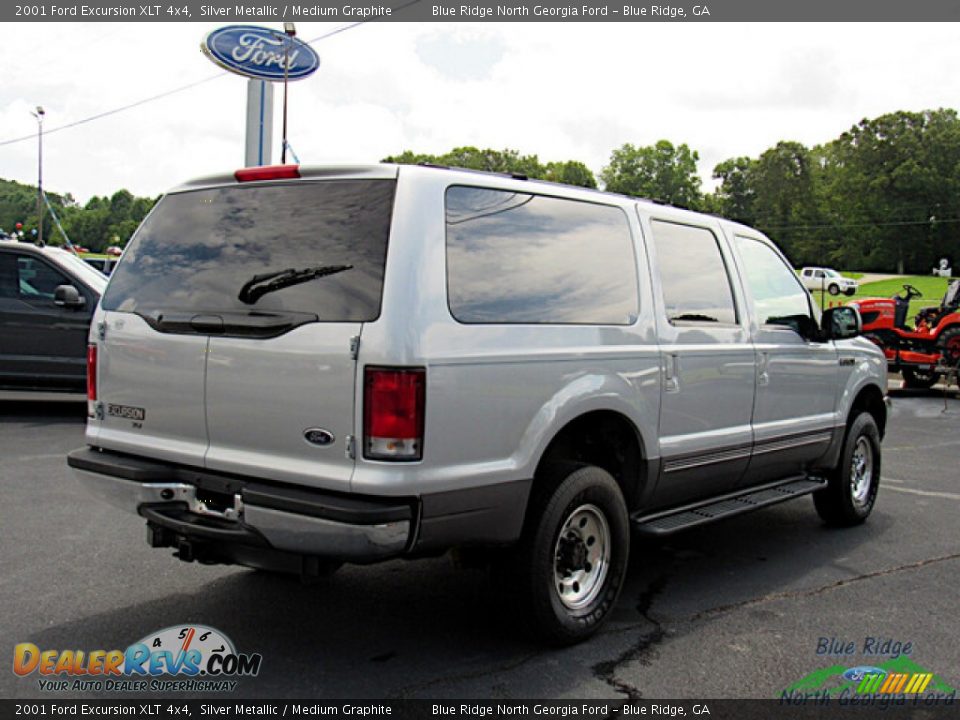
pixel 290 30
pixel 258 150
pixel 39 116
pixel 259 53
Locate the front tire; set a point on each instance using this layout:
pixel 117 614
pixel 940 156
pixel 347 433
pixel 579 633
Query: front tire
pixel 852 486
pixel 573 555
pixel 833 289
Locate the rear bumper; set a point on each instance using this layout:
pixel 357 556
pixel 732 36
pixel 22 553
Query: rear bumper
pixel 185 505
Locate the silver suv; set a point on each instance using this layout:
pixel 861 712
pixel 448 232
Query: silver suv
pixel 293 368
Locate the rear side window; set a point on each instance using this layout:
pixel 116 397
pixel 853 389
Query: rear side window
pixel 696 285
pixel 522 258
pixel 322 244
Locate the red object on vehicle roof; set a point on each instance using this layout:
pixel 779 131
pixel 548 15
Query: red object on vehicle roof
pixel 267 172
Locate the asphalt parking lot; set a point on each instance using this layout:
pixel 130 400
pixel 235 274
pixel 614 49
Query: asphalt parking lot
pixel 732 610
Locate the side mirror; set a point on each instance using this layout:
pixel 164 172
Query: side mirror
pixel 67 296
pixel 841 323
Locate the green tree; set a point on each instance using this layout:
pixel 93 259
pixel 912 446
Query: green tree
pixel 503 161
pixel 784 200
pixel 570 172
pixel 661 172
pixel 95 224
pixel 892 186
pixel 735 197
pixel 408 157
pixel 18 203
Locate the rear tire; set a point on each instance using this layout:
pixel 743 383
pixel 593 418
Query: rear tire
pixel 919 379
pixel 572 559
pixel 852 486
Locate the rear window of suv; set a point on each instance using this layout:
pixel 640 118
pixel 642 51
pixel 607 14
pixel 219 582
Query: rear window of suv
pixel 322 244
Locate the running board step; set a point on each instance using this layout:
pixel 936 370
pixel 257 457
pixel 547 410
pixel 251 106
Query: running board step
pixel 671 521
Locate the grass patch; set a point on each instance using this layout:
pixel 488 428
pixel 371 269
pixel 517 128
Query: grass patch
pixel 933 289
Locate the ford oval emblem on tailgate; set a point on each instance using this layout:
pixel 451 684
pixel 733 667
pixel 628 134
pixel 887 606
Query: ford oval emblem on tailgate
pixel 318 436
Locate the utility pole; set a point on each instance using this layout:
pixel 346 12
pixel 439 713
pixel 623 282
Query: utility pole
pixel 39 116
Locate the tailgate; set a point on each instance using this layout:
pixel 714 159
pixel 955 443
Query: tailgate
pixel 283 408
pixel 231 320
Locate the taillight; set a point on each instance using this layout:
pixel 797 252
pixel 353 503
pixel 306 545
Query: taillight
pixel 267 172
pixel 91 378
pixel 393 408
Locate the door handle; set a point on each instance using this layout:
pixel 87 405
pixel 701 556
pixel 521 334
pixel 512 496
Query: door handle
pixel 671 374
pixel 763 369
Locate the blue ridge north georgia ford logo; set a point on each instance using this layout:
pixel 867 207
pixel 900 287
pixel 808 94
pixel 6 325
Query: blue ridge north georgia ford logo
pixel 260 52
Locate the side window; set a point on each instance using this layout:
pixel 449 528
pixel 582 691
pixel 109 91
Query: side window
pixel 696 285
pixel 818 274
pixel 777 295
pixel 521 258
pixel 37 280
pixel 9 276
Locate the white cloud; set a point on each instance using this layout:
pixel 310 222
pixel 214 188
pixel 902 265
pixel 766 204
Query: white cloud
pixel 559 90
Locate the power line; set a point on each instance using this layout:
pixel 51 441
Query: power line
pixel 159 96
pixel 107 113
pixel 832 226
pixel 927 207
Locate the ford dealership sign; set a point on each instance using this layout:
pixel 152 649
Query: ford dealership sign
pixel 260 52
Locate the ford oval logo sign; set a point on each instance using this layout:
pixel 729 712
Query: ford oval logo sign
pixel 260 52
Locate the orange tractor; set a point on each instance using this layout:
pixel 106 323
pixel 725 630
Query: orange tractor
pixel 925 352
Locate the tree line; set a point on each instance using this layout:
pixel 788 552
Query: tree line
pixel 883 196
pixel 96 225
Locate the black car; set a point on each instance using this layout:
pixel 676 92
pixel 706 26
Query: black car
pixel 47 297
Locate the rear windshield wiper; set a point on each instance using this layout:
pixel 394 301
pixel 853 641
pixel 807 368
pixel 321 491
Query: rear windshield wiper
pixel 259 285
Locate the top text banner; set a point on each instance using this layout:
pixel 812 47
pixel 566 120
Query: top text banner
pixel 273 11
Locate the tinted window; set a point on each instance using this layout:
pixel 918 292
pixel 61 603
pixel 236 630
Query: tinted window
pixel 777 295
pixel 696 287
pixel 9 276
pixel 198 250
pixel 28 278
pixel 520 258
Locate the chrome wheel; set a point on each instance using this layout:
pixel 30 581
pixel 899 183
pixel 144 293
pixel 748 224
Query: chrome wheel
pixel 861 471
pixel 581 557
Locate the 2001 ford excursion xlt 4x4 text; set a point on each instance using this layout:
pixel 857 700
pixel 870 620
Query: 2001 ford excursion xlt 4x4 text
pixel 292 368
